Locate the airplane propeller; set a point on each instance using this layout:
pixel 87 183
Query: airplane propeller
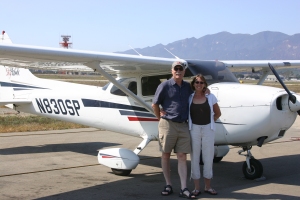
pixel 292 97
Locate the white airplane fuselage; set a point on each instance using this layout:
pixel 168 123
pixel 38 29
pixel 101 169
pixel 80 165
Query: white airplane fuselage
pixel 251 114
pixel 248 111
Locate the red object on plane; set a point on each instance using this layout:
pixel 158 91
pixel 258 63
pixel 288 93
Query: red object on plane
pixel 3 32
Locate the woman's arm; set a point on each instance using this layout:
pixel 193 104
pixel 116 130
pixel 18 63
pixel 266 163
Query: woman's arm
pixel 217 111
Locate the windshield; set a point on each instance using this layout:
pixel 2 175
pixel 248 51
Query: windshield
pixel 213 71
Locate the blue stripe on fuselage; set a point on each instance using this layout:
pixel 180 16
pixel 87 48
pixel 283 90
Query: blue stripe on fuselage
pixel 19 86
pixel 133 113
pixel 105 104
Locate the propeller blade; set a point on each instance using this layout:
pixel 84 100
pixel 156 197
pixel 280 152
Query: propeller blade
pixel 292 98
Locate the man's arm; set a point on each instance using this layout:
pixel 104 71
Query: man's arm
pixel 156 110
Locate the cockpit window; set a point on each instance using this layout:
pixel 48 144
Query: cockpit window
pixel 150 83
pixel 130 83
pixel 222 76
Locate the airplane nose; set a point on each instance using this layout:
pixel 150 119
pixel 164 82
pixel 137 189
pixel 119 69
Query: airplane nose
pixel 294 100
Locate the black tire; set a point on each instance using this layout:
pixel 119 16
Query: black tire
pixel 121 172
pixel 256 169
pixel 217 159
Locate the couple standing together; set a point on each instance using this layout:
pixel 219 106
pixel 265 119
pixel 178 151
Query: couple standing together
pixel 186 125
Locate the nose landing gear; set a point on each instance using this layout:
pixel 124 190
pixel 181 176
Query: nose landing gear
pixel 252 168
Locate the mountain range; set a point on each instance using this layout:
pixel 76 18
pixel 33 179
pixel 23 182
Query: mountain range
pixel 226 46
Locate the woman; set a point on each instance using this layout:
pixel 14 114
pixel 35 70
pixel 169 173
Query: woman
pixel 204 111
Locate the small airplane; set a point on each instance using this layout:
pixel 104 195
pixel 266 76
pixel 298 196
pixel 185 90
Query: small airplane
pixel 251 114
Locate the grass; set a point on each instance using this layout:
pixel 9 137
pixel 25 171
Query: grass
pixel 33 123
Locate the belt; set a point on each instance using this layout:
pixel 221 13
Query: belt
pixel 176 121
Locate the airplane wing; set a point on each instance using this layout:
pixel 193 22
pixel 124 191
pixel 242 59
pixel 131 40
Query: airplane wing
pixel 113 63
pixel 261 63
pixel 105 63
pixel 57 58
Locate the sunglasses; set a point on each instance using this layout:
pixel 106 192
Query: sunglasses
pixel 197 82
pixel 178 68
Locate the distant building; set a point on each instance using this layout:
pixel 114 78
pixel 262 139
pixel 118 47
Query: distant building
pixel 273 78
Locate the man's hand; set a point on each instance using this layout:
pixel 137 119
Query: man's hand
pixel 156 110
pixel 207 91
pixel 162 112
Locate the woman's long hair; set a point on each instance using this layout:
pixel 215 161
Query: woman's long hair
pixel 202 79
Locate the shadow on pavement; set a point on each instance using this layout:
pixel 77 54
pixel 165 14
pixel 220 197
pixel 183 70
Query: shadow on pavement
pixel 228 181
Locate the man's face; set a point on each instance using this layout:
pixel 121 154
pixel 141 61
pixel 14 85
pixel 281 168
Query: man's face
pixel 178 72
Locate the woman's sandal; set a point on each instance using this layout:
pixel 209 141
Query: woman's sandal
pixel 211 191
pixel 167 191
pixel 189 196
pixel 196 192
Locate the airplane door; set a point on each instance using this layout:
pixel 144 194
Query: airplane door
pixel 149 85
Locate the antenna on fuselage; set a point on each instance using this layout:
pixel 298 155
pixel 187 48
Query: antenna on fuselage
pixel 171 53
pixel 135 50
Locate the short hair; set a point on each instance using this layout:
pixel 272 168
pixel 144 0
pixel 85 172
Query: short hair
pixel 179 63
pixel 195 78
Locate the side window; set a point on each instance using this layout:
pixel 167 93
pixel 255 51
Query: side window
pixel 132 86
pixel 150 83
pixel 130 83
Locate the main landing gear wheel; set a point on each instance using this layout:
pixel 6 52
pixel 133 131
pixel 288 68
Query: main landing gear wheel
pixel 121 172
pixel 255 171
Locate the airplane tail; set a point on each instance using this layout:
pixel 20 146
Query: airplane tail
pixel 18 84
pixel 5 93
pixel 12 85
pixel 4 38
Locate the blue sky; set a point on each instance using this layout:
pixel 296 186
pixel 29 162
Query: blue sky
pixel 112 25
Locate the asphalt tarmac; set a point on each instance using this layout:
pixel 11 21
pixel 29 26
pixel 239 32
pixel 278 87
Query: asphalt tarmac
pixel 63 165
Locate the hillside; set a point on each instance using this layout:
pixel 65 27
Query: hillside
pixel 227 46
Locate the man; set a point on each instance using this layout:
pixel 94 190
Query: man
pixel 173 95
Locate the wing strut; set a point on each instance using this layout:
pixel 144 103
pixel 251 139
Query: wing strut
pixel 96 65
pixel 264 76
